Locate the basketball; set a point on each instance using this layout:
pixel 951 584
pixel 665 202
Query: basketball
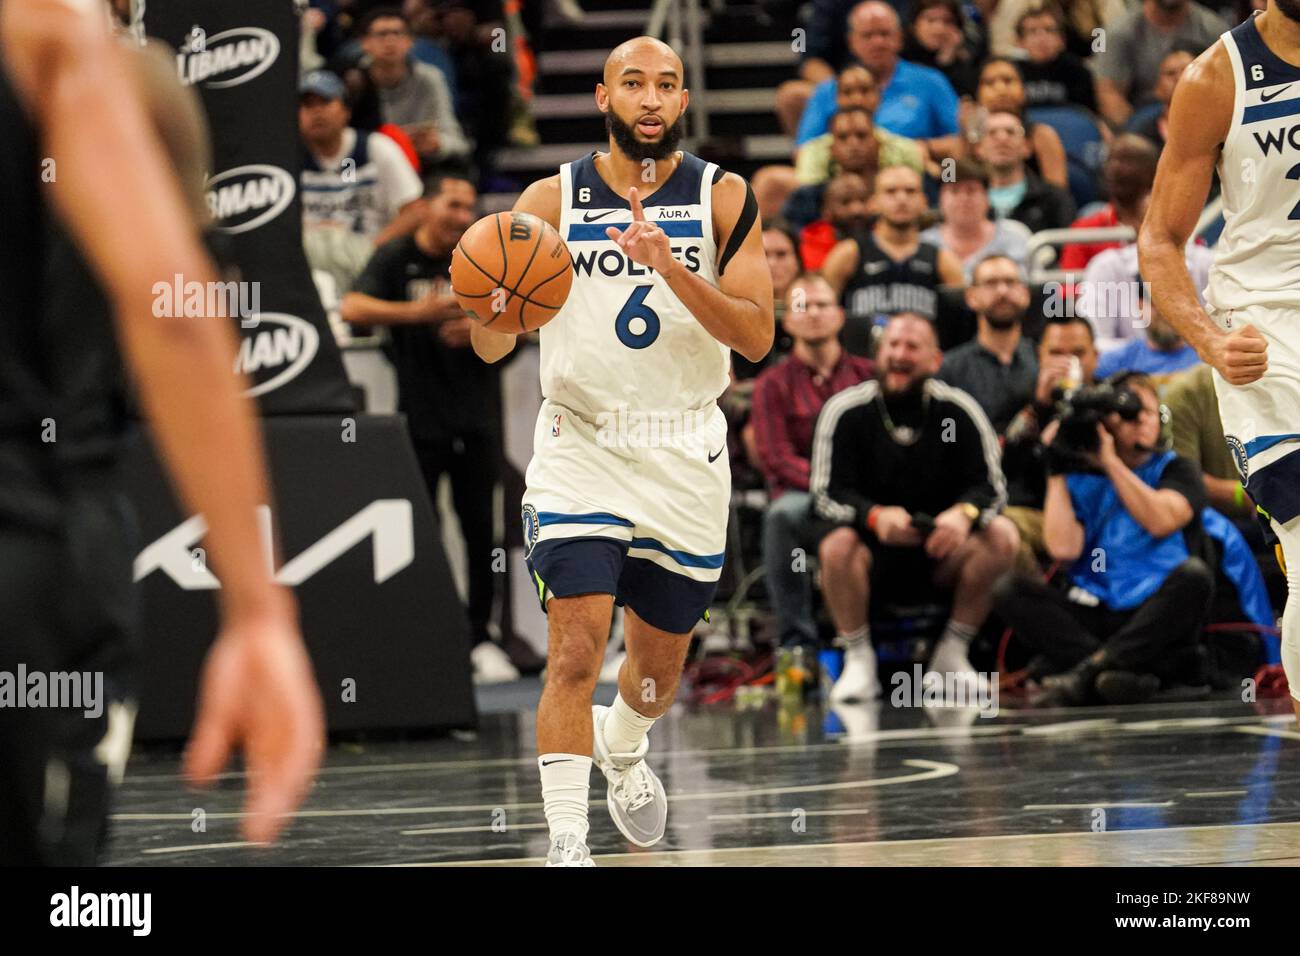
pixel 512 271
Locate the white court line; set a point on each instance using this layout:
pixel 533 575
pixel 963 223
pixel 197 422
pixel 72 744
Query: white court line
pixel 722 851
pixel 1091 806
pixel 929 770
pixel 921 733
pixel 202 846
pixel 785 814
pixel 1269 732
pixel 487 829
pixel 1216 793
pixel 841 742
pixel 1070 727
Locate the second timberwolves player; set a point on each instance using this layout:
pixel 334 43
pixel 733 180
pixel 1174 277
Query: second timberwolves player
pixel 1237 107
pixel 629 484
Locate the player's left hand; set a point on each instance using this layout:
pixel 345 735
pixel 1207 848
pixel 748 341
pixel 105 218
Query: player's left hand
pixel 643 242
pixel 951 529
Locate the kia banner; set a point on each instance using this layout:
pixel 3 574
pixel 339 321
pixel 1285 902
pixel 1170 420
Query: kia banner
pixel 242 59
pixel 361 547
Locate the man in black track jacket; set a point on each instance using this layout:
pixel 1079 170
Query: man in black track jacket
pixel 908 470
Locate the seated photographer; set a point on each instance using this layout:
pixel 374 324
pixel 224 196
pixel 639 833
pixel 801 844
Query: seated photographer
pixel 1126 516
pixel 907 468
pixel 787 400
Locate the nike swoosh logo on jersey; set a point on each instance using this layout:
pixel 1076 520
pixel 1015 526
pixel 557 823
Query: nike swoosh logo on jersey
pixel 1265 97
pixel 714 456
pixel 588 217
pixel 871 268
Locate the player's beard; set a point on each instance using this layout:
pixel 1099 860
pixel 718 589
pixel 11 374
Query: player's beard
pixel 635 149
pixel 1289 9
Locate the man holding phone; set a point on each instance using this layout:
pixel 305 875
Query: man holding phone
pixel 907 468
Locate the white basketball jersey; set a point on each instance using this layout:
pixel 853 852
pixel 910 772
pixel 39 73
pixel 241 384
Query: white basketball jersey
pixel 1257 260
pixel 623 338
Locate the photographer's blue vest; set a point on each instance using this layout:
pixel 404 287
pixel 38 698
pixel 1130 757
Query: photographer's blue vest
pixel 1121 563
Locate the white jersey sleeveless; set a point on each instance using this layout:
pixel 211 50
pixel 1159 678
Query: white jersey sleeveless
pixel 623 339
pixel 1257 260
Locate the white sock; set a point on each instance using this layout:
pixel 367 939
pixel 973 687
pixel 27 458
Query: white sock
pixel 624 727
pixel 856 640
pixel 953 650
pixel 566 780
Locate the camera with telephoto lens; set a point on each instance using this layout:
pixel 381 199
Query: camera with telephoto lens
pixel 1080 410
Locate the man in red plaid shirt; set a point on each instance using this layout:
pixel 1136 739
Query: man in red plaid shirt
pixel 788 397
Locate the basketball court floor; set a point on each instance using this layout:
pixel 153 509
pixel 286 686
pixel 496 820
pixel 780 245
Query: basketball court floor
pixel 1208 783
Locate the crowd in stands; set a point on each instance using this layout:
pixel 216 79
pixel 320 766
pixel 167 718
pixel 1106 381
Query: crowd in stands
pixel 922 426
pixel 944 151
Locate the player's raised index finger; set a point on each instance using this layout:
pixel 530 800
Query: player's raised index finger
pixel 638 214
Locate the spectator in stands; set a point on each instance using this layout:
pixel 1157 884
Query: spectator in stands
pixel 412 94
pixel 1002 91
pixel 966 230
pixel 1014 191
pixel 1136 43
pixel 1138 591
pixel 854 149
pixel 889 269
pixel 451 400
pixel 907 469
pixel 915 101
pixel 845 212
pixel 1053 76
pixel 772 186
pixel 787 400
pixel 1158 353
pixel 490 103
pixel 784 262
pixel 1082 20
pixel 825 53
pixel 1111 293
pixel 358 189
pixel 1126 177
pixel 1154 124
pixel 998 367
pixel 1067 358
pixel 857 95
pixel 936 38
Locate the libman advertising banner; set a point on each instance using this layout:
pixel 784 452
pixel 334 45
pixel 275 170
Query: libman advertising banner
pixel 242 59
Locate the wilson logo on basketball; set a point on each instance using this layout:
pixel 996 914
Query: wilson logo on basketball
pixel 246 197
pixel 277 353
pixel 228 58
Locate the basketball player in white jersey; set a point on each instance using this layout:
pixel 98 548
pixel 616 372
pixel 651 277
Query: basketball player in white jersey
pixel 1237 108
pixel 629 484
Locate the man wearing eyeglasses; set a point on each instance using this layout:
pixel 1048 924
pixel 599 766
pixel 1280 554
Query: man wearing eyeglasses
pixel 998 368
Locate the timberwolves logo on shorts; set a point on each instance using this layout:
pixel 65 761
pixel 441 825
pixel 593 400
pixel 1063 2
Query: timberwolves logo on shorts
pixel 531 529
pixel 1239 457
